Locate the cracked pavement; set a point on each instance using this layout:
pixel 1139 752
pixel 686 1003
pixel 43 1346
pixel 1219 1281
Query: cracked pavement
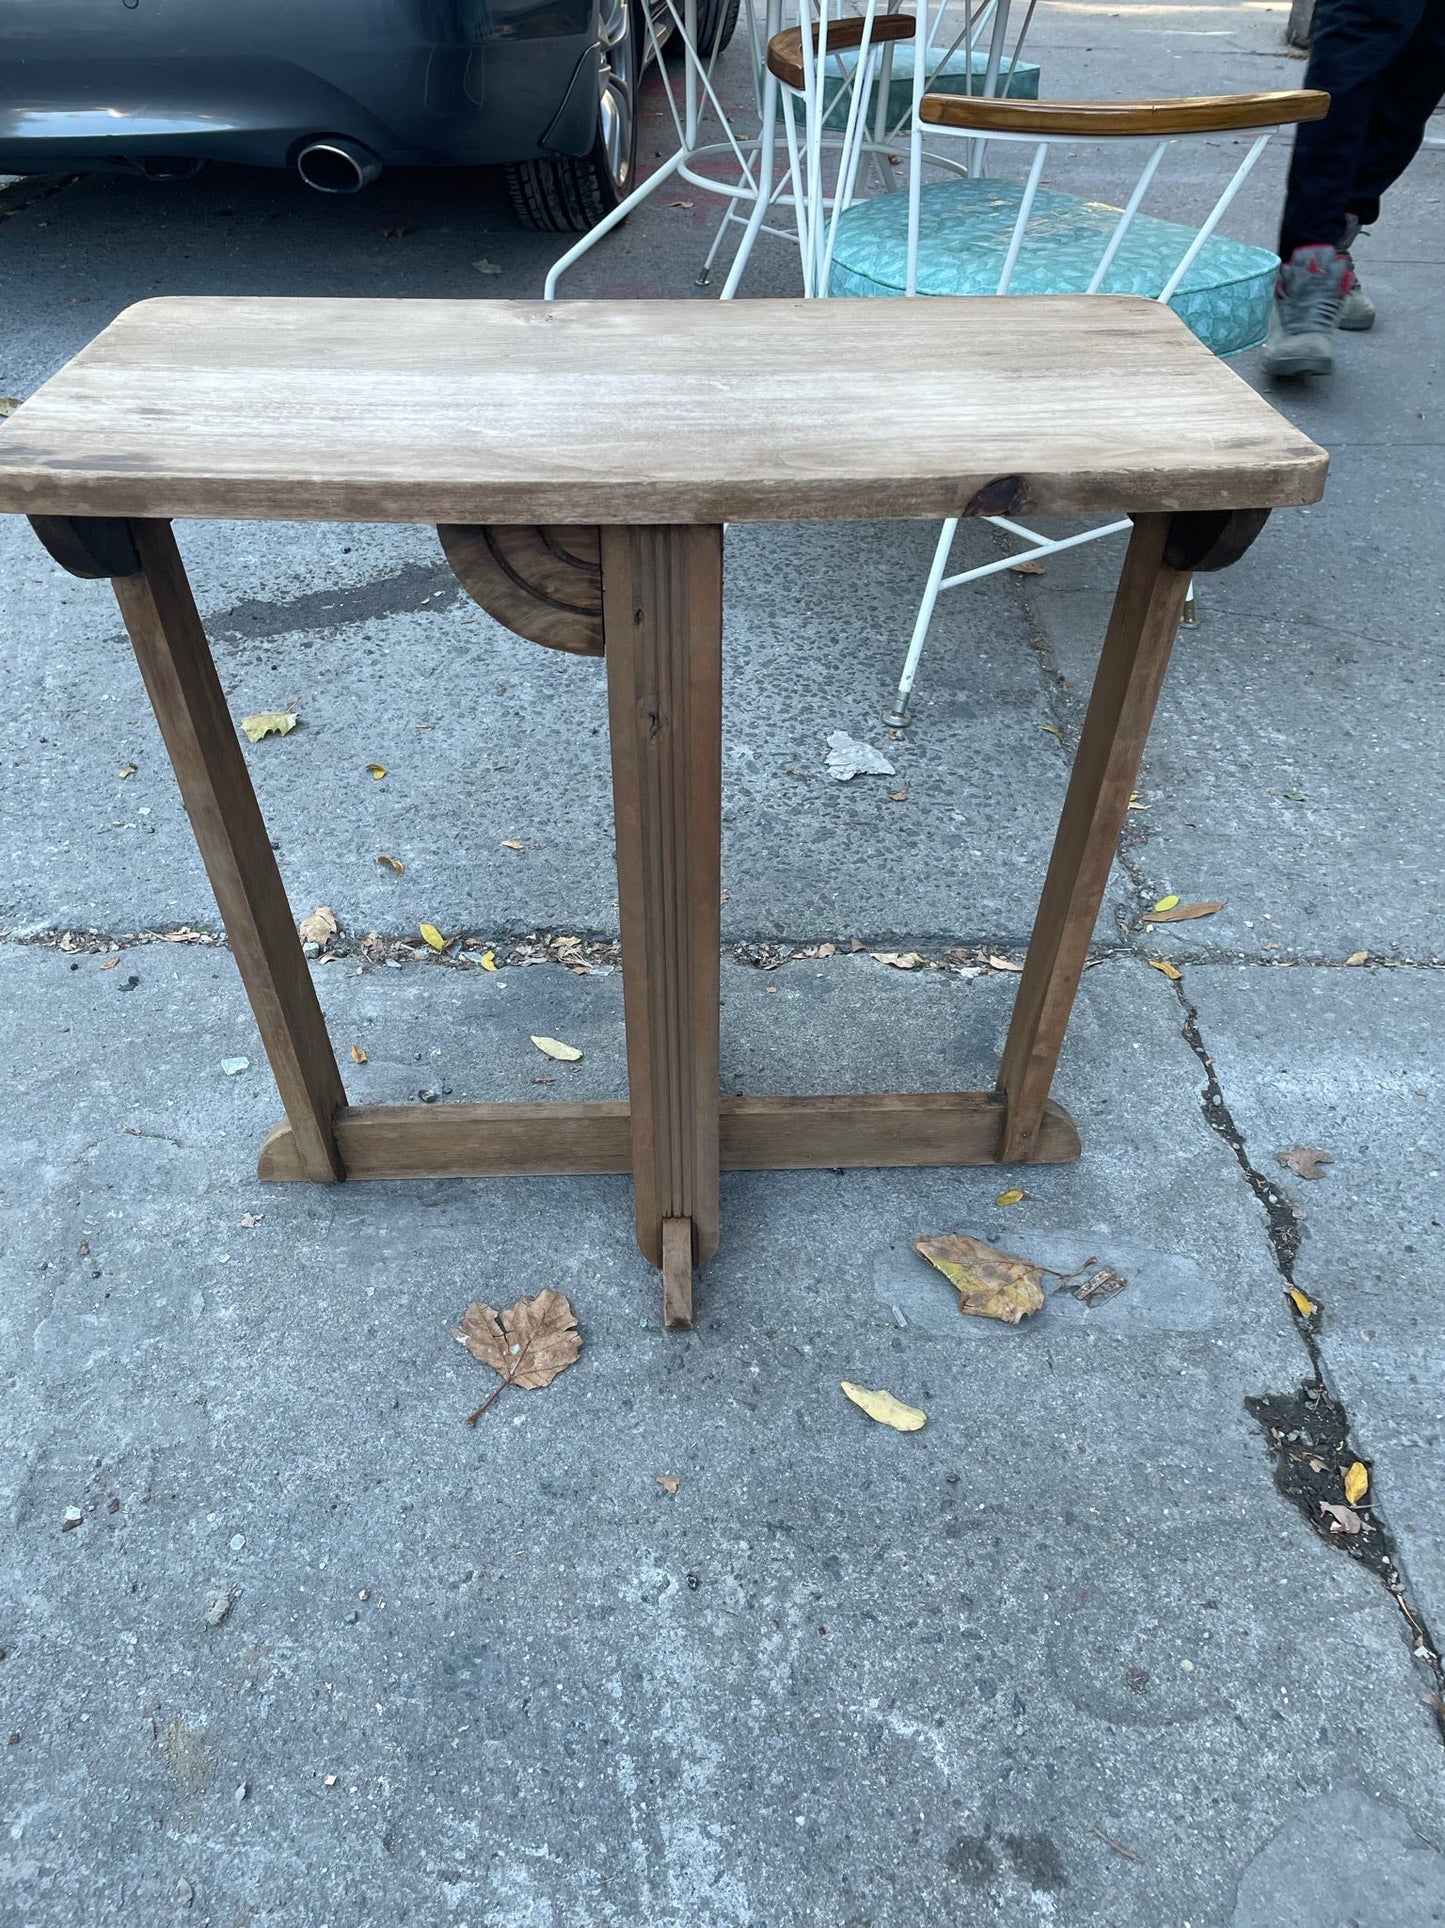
pixel 316 1652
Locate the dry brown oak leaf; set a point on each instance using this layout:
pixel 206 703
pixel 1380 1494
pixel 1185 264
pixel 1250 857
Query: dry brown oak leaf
pixel 1304 1161
pixel 527 1345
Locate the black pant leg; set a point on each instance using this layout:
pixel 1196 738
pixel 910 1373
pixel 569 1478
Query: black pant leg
pixel 1354 42
pixel 1407 94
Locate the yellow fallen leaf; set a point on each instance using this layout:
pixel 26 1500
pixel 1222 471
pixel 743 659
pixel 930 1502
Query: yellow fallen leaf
pixel 1302 1303
pixel 883 1407
pixel 488 960
pixel 990 1284
pixel 1357 1482
pixel 358 1056
pixel 319 927
pixel 1008 1198
pixel 1053 730
pixel 1166 903
pixel 554 1048
pixel 1358 957
pixel 268 723
pixel 376 771
pixel 1182 913
pixel 127 770
pixel 510 843
pixel 1162 964
pixel 433 936
pixel 393 864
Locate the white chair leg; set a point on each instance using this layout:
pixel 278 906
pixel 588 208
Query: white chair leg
pixel 897 717
pixel 766 155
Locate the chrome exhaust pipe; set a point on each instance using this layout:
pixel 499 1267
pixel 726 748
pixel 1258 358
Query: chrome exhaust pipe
pixel 335 165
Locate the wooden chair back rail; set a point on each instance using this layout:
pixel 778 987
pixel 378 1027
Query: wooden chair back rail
pixel 1206 114
pixel 785 49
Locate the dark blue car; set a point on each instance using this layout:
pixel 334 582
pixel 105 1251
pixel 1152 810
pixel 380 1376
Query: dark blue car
pixel 337 89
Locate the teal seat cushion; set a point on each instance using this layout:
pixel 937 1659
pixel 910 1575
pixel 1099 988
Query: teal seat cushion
pixel 964 232
pixel 1018 80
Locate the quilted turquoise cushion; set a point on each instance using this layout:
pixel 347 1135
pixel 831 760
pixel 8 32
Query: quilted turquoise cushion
pixel 1018 81
pixel 964 235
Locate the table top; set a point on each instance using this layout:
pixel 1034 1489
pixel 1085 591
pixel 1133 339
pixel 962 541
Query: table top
pixel 647 411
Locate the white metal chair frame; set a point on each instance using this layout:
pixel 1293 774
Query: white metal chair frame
pixel 760 186
pixel 1041 125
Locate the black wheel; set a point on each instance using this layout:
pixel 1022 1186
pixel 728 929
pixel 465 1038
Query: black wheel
pixel 717 22
pixel 567 195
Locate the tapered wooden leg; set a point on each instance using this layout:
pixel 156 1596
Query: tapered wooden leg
pixel 662 619
pixel 185 692
pixel 1142 628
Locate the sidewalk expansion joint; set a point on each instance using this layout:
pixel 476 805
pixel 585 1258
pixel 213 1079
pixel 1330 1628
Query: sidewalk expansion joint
pixel 1309 1430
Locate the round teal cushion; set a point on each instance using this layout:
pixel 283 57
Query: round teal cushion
pixel 964 232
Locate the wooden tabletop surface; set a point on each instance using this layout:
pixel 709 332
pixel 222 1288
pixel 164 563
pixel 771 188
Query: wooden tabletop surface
pixel 647 411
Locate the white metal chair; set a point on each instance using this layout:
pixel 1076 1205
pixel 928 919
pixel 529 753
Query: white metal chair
pixel 973 235
pixel 847 91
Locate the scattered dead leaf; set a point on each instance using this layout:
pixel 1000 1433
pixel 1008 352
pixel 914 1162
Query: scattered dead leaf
pixel 669 1482
pixel 1013 1197
pixel 527 1345
pixel 250 1220
pixel 376 771
pixel 393 864
pixel 1357 1482
pixel 1003 964
pixel 1028 567
pixel 990 1284
pixel 8 405
pixel 1052 729
pixel 1171 971
pixel 434 939
pixel 883 1407
pixel 394 234
pixel 1301 1301
pixel 1166 903
pixel 110 963
pixel 126 770
pixel 826 950
pixel 554 1048
pixel 320 927
pixel 1343 1519
pixel 900 960
pixel 510 843
pixel 487 267
pixel 898 796
pixel 358 1056
pixel 488 960
pixel 1358 957
pixel 1184 913
pixel 268 723
pixel 1304 1160
pixel 1094 1287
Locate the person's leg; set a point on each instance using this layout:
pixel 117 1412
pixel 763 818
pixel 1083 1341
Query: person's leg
pixel 1406 95
pixel 1354 42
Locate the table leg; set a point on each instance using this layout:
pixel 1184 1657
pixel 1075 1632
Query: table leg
pixel 1142 628
pixel 185 692
pixel 662 619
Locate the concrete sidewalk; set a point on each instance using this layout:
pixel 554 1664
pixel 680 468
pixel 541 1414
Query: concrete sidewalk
pixel 316 1652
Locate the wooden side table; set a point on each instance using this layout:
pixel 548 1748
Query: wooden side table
pixel 590 528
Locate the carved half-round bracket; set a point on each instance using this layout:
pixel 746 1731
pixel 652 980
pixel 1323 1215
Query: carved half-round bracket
pixel 544 584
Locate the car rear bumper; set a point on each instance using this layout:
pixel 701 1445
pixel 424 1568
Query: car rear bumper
pixel 122 97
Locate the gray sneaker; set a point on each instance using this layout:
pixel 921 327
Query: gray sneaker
pixel 1308 296
pixel 1357 311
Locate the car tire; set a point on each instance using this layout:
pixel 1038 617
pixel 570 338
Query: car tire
pixel 713 16
pixel 566 194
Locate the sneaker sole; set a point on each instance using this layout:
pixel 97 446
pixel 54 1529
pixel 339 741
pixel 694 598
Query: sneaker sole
pixel 1349 327
pixel 1300 364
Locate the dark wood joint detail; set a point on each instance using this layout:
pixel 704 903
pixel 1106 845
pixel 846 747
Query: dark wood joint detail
pixel 93 547
pixel 541 583
pixel 1205 541
pixel 1005 495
